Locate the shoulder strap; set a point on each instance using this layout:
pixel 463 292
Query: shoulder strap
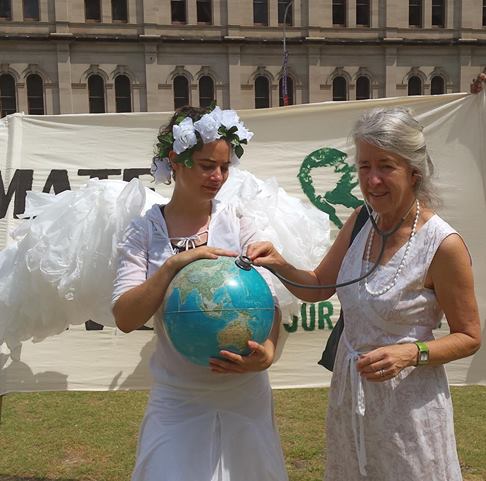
pixel 360 221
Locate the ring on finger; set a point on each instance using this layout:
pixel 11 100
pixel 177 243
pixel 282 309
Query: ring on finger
pixel 382 372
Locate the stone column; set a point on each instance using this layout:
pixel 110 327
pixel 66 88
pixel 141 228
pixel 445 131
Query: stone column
pixel 233 99
pixel 390 71
pixel 64 79
pixel 313 75
pixel 151 80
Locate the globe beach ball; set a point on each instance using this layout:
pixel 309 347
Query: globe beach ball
pixel 213 305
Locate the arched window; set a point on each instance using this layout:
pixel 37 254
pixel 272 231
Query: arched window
pixel 92 10
pixel 35 94
pixel 290 91
pixel 363 13
pixel 8 100
pixel 181 91
pixel 339 89
pixel 119 11
pixel 484 13
pixel 262 92
pixel 415 13
pixel 31 9
pixel 6 9
pixel 362 88
pixel 414 86
pixel 437 85
pixel 206 91
pixel 123 94
pixel 260 12
pixel 96 92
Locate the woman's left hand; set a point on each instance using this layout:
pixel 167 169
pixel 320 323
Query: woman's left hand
pixel 386 362
pixel 259 359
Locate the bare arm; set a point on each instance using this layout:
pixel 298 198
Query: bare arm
pixel 450 275
pixel 264 254
pixel 136 306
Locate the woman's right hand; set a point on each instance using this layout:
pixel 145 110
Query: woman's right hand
pixel 182 259
pixel 264 254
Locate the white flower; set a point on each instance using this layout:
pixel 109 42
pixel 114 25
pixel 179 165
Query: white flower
pixel 229 118
pixel 184 135
pixel 208 126
pixel 161 170
pixel 243 132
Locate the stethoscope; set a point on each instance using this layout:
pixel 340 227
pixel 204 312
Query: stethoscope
pixel 245 263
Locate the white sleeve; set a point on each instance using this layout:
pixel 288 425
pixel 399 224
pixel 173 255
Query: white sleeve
pixel 132 259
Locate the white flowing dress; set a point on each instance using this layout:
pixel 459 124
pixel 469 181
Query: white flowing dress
pixel 198 425
pixel 401 429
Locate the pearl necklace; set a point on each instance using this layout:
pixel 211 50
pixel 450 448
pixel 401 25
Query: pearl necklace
pixel 388 286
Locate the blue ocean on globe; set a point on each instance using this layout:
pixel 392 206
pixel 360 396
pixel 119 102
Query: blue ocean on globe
pixel 212 304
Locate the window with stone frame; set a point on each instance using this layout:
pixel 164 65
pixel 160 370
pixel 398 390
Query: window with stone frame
pixel 260 12
pixel 181 91
pixel 35 94
pixel 438 13
pixel 282 7
pixel 5 9
pixel 96 93
pixel 415 86
pixel 415 9
pixel 484 13
pixel 363 88
pixel 437 85
pixel 206 91
pixel 119 11
pixel 204 11
pixel 8 97
pixel 123 94
pixel 92 10
pixel 31 9
pixel 339 12
pixel 363 13
pixel 262 92
pixel 339 89
pixel 290 91
pixel 178 9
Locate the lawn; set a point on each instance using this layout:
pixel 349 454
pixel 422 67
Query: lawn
pixel 80 436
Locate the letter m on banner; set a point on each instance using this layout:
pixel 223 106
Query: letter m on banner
pixel 17 188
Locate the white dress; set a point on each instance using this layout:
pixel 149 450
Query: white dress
pixel 199 425
pixel 401 429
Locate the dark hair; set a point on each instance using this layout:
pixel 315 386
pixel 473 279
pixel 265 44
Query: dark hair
pixel 195 113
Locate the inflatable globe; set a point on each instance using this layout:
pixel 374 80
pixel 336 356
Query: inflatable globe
pixel 212 304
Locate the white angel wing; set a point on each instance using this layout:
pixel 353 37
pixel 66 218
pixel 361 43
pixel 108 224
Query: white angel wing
pixel 60 270
pixel 299 231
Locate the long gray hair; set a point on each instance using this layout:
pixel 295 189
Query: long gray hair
pixel 395 130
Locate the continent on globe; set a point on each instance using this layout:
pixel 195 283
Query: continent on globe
pixel 236 334
pixel 212 304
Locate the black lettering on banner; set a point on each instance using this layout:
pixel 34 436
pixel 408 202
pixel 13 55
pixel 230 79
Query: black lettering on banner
pixel 58 181
pixel 19 185
pixel 129 174
pixel 99 173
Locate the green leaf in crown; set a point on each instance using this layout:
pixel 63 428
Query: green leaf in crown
pixel 341 194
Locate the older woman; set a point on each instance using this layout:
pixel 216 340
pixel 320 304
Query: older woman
pixel 390 412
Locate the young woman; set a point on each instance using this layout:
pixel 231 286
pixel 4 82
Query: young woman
pixel 211 423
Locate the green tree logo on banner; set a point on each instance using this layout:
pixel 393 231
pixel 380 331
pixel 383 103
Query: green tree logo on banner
pixel 341 194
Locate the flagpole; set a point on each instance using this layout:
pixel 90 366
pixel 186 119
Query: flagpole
pixel 285 95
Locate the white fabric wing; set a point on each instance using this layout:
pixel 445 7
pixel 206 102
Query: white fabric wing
pixel 61 268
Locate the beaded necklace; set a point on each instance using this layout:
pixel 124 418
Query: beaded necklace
pixel 388 286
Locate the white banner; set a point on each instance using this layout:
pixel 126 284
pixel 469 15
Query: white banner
pixel 55 153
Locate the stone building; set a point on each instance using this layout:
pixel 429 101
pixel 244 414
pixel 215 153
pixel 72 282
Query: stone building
pixel 74 56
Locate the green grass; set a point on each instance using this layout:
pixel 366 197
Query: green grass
pixel 92 436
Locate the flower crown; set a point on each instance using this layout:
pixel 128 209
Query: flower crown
pixel 187 136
